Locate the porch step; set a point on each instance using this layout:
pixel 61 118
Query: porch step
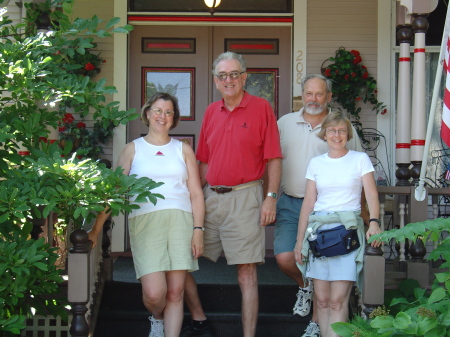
pixel 122 313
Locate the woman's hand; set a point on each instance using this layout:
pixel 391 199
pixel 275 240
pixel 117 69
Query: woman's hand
pixel 93 237
pixel 374 228
pixel 197 244
pixel 297 252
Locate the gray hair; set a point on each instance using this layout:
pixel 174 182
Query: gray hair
pixel 229 55
pixel 320 77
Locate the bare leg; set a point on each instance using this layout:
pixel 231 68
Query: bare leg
pixel 286 263
pixel 154 290
pixel 173 312
pixel 248 282
pixel 322 290
pixel 192 299
pixel 340 295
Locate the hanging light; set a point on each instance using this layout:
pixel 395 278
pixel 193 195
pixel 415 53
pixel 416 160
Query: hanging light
pixel 212 4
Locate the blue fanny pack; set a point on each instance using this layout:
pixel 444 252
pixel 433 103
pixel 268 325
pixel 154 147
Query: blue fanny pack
pixel 335 241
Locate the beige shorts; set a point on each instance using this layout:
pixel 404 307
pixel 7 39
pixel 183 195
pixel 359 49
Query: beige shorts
pixel 161 241
pixel 232 225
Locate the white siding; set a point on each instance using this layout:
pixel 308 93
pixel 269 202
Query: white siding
pixel 345 23
pixel 104 9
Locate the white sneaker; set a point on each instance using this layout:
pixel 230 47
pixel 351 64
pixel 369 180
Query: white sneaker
pixel 302 306
pixel 156 328
pixel 312 330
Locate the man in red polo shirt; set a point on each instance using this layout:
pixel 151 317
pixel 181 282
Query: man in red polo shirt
pixel 238 140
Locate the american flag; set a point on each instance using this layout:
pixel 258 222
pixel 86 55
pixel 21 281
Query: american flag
pixel 445 127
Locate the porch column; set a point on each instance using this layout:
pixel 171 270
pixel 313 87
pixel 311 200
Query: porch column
pixel 403 135
pixel 418 121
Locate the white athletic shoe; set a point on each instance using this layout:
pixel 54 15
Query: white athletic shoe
pixel 156 328
pixel 302 306
pixel 312 330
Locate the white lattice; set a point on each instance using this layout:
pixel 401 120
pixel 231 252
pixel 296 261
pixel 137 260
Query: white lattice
pixel 46 326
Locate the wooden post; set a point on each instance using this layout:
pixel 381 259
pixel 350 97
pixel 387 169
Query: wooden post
pixel 78 288
pixel 373 281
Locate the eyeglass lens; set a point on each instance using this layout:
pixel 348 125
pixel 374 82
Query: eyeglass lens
pixel 233 75
pixel 333 131
pixel 166 112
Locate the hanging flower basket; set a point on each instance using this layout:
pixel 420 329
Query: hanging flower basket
pixel 352 83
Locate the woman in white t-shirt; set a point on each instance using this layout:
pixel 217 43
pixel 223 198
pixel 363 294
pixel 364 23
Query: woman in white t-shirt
pixel 333 198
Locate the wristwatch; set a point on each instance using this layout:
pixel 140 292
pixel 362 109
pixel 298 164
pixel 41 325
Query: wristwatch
pixel 202 228
pixel 273 195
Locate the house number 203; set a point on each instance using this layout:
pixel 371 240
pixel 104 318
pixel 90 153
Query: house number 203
pixel 299 66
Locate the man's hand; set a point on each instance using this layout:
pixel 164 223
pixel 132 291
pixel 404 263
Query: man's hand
pixel 268 211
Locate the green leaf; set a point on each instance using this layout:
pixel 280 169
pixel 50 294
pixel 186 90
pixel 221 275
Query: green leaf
pixel 112 22
pixel 344 329
pixel 402 320
pixel 437 295
pixel 382 322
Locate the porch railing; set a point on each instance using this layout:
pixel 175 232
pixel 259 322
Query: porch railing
pixel 399 207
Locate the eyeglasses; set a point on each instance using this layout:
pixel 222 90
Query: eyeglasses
pixel 233 75
pixel 333 131
pixel 158 112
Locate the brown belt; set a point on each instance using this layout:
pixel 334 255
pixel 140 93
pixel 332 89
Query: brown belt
pixel 227 189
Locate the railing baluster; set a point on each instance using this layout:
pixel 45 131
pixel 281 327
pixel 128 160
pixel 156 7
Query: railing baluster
pixel 401 214
pixel 382 212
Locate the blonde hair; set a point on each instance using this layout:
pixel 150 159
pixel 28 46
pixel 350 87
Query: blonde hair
pixel 333 119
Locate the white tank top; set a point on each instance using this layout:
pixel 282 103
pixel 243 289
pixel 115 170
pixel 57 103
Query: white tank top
pixel 162 164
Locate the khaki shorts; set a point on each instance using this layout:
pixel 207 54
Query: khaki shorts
pixel 232 225
pixel 161 241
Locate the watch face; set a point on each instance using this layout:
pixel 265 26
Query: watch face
pixel 273 195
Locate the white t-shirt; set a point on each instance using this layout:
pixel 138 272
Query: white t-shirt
pixel 339 180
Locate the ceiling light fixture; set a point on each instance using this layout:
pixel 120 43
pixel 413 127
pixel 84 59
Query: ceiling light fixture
pixel 212 4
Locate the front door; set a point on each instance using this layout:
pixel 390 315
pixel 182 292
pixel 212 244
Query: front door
pixel 178 59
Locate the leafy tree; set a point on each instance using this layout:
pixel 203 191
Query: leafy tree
pixel 38 71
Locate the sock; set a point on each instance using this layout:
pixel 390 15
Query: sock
pixel 308 288
pixel 200 324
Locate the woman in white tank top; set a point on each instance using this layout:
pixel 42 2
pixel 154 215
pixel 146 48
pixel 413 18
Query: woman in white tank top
pixel 166 238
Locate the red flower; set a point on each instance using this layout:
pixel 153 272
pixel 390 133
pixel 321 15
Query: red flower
pixel 346 77
pixel 357 60
pixel 364 67
pixel 81 125
pixel 327 72
pixel 62 128
pixel 358 98
pixel 365 75
pixel 384 112
pixel 89 66
pixel 353 74
pixel 355 53
pixel 68 118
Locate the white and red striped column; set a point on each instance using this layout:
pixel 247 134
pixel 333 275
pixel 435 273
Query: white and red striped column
pixel 418 117
pixel 403 134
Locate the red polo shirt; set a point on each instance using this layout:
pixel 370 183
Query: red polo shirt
pixel 236 145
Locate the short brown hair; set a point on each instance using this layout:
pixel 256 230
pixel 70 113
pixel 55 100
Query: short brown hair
pixel 332 119
pixel 166 97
